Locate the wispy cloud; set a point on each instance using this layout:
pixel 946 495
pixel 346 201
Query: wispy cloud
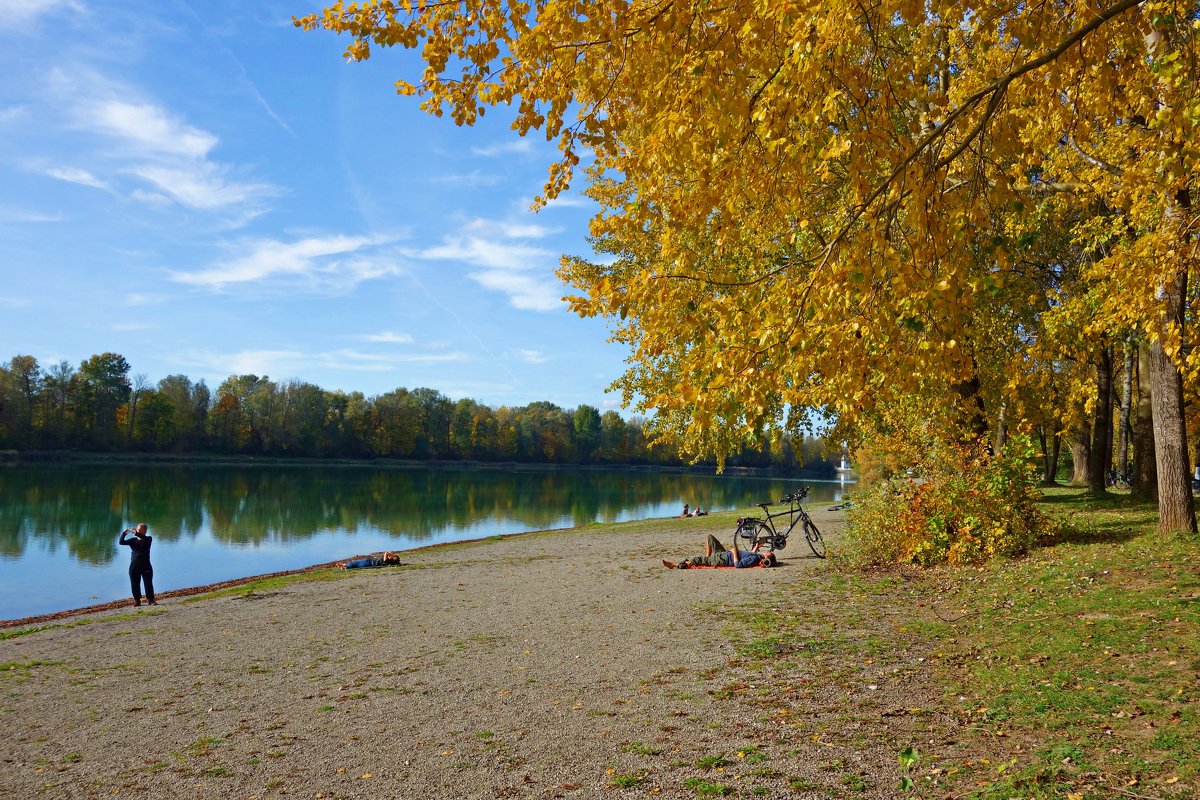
pixel 522 146
pixel 287 363
pixel 148 126
pixel 18 13
pixel 470 180
pixel 21 215
pixel 532 356
pixel 80 176
pixel 13 302
pixel 387 337
pixel 141 149
pixel 140 299
pixel 524 291
pixel 336 263
pixel 508 262
pixel 202 186
pixel 134 326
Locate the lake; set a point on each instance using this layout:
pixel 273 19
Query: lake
pixel 59 524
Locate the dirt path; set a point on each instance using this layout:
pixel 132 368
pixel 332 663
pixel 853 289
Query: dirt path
pixel 555 665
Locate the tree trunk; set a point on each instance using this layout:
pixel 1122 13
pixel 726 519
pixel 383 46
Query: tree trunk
pixel 1099 457
pixel 1126 431
pixel 1050 450
pixel 1002 427
pixel 1145 471
pixel 1175 509
pixel 1081 453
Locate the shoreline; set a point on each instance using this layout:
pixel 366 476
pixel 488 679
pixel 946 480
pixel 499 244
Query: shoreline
pixel 191 591
pixel 568 665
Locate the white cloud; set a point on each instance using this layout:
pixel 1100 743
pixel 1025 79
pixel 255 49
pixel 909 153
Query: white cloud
pixel 291 362
pixel 13 302
pixel 532 356
pixel 134 326
pixel 148 126
pixel 387 337
pixel 80 176
pixel 143 150
pixel 201 186
pixel 20 215
pixel 524 291
pixel 471 180
pixel 510 230
pixel 522 146
pixel 18 13
pixel 330 262
pixel 508 265
pixel 12 113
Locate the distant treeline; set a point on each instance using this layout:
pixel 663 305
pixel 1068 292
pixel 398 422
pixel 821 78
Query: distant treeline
pixel 97 407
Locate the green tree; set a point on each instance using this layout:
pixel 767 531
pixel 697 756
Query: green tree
pixel 587 427
pixel 104 388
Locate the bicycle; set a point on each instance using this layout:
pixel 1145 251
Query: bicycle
pixel 1119 480
pixel 758 532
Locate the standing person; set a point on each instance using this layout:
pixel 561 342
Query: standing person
pixel 140 570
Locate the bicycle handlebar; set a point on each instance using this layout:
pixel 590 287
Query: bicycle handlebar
pixel 795 496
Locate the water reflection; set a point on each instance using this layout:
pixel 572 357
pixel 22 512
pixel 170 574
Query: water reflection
pixel 309 512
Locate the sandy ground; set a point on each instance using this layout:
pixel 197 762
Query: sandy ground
pixel 555 665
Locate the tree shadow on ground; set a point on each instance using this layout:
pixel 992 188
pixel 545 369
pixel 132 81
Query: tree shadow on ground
pixel 1114 517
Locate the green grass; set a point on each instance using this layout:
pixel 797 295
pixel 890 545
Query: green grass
pixel 1086 651
pixel 1074 666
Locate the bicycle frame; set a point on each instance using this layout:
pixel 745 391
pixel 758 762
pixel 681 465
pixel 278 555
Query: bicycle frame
pixel 763 531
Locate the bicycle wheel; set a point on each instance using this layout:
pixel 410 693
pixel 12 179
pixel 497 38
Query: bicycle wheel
pixel 743 537
pixel 813 537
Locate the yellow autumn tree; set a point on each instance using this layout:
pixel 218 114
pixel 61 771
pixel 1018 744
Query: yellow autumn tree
pixel 814 205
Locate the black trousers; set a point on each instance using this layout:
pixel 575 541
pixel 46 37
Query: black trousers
pixel 136 579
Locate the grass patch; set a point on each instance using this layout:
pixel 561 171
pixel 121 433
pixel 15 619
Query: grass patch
pixel 627 780
pixel 706 788
pixel 1085 649
pixel 75 623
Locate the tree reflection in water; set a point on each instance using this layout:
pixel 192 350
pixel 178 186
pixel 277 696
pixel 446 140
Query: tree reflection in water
pixel 45 510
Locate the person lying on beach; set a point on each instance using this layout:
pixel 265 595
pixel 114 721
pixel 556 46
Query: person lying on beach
pixel 715 555
pixel 371 561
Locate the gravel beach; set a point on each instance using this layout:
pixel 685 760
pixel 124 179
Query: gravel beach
pixel 560 664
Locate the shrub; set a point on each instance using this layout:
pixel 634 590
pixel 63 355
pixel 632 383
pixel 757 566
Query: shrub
pixel 960 504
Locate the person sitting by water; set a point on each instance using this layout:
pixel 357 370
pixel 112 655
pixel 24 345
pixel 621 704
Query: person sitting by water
pixel 715 555
pixel 685 513
pixel 386 559
pixel 699 512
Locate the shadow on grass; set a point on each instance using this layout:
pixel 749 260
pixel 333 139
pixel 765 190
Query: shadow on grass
pixel 1114 517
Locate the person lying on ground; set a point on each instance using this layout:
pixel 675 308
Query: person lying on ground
pixel 715 555
pixel 388 558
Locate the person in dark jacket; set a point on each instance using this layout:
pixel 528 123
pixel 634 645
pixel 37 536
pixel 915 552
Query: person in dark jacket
pixel 140 570
pixel 371 561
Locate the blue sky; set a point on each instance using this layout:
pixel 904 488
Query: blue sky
pixel 207 190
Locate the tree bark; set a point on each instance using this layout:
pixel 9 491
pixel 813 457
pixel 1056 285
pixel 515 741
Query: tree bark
pixel 1145 471
pixel 1051 445
pixel 1125 429
pixel 1175 509
pixel 1081 453
pixel 1099 457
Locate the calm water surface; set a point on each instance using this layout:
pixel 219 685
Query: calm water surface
pixel 59 525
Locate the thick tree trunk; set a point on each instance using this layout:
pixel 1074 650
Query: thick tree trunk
pixel 1081 453
pixel 1099 457
pixel 1145 470
pixel 1175 509
pixel 1126 431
